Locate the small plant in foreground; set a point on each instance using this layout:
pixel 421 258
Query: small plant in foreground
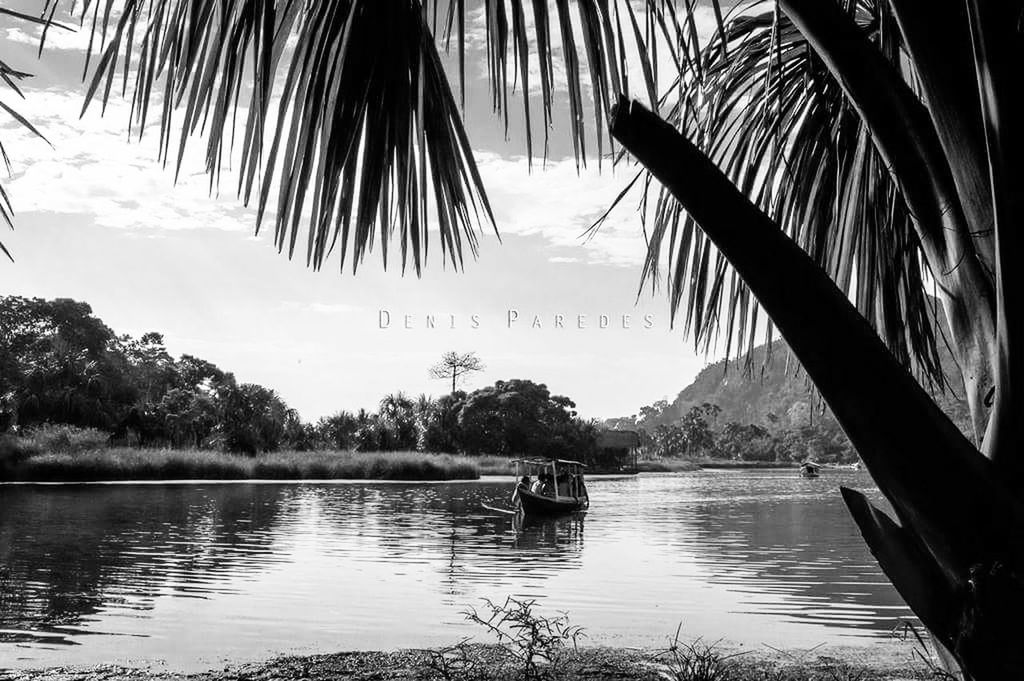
pixel 695 661
pixel 454 663
pixel 534 642
pixel 927 654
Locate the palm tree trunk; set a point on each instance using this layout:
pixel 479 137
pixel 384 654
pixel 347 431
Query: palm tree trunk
pixel 998 46
pixel 960 526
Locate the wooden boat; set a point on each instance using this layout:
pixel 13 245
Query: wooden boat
pixel 809 469
pixel 555 499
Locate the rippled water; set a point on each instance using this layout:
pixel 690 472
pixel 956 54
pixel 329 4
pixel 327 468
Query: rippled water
pixel 193 574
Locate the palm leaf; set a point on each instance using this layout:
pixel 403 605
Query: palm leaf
pixel 10 77
pixel 338 114
pixel 763 107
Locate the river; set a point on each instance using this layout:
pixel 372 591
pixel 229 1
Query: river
pixel 190 575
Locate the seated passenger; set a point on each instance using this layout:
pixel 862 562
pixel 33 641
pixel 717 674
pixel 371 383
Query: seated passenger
pixel 538 484
pixel 523 483
pixel 548 487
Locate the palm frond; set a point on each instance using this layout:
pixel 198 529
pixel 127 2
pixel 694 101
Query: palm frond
pixel 597 23
pixel 339 112
pixel 771 116
pixel 10 77
pixel 339 115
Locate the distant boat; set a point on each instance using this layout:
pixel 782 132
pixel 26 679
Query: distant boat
pixel 809 469
pixel 561 488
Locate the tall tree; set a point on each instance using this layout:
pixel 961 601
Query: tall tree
pixel 848 183
pixel 456 366
pixel 822 152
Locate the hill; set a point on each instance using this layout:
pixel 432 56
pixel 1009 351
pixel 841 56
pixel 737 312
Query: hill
pixel 774 393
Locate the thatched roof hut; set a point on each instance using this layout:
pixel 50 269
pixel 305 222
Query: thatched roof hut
pixel 618 439
pixel 616 450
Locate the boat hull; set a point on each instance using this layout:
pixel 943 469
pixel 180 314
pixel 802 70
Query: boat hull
pixel 536 504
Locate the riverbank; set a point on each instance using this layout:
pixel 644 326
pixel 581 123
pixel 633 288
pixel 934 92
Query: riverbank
pixel 726 464
pixel 123 463
pixel 667 466
pixel 883 662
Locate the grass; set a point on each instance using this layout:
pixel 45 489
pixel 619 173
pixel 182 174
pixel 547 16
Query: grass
pixel 500 465
pixel 667 466
pixel 190 464
pixel 490 464
pixel 728 463
pixel 477 662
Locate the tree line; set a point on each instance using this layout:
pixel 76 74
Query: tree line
pixel 701 432
pixel 60 364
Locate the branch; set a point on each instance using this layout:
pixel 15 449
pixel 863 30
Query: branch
pixel 937 482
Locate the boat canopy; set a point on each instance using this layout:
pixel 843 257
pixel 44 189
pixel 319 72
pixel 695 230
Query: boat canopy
pixel 536 461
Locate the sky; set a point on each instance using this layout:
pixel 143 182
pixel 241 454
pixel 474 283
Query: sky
pixel 99 220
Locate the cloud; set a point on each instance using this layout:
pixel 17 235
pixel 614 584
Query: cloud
pixel 69 31
pixel 93 169
pixel 560 204
pixel 321 308
pixel 71 38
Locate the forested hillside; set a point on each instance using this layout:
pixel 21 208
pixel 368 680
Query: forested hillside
pixel 769 402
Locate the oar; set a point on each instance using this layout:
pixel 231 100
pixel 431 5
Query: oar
pixel 499 510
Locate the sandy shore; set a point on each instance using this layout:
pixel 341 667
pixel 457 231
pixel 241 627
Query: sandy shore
pixel 889 661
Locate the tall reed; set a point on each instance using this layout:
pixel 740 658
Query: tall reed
pixel 175 464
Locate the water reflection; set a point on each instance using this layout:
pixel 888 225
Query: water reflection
pixel 794 549
pixel 191 573
pixel 543 537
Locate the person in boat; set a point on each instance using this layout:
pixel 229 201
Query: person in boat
pixel 538 484
pixel 524 483
pixel 547 487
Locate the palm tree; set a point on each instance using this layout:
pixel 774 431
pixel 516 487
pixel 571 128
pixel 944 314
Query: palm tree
pixel 397 413
pixel 874 161
pixel 826 162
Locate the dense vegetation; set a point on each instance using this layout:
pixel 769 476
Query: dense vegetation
pixel 69 384
pixel 759 408
pixel 65 374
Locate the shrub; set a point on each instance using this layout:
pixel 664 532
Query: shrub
pixel 14 450
pixel 64 439
pixel 534 643
pixel 696 661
